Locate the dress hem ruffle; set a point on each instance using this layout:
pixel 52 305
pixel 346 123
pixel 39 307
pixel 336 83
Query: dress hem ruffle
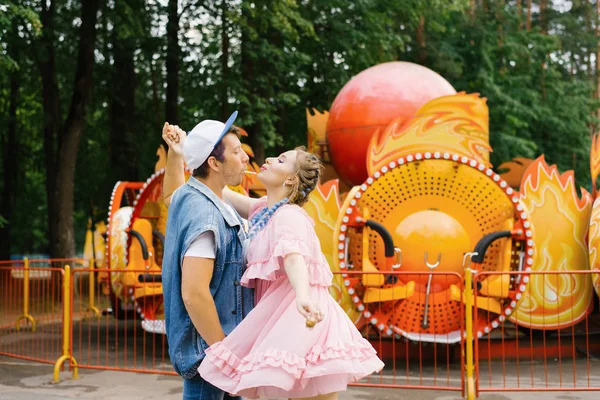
pixel 297 367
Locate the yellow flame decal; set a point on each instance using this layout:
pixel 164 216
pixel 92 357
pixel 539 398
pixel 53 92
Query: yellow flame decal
pixel 560 220
pixel 317 128
pixel 457 124
pixel 118 249
pixel 248 150
pixel 95 245
pixel 324 208
pixel 594 244
pixel 161 161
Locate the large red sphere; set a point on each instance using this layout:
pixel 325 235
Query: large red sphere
pixel 372 100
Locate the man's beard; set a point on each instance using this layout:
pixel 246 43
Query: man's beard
pixel 234 179
pixel 236 182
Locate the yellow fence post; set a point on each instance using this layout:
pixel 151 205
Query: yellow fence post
pixel 92 292
pixel 25 314
pixel 66 329
pixel 469 301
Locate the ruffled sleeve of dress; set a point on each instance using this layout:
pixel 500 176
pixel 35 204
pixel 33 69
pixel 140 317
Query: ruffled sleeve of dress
pixel 290 231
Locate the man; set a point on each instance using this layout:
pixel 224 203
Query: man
pixel 202 264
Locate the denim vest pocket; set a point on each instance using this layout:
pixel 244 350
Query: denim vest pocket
pixel 195 337
pixel 188 361
pixel 201 345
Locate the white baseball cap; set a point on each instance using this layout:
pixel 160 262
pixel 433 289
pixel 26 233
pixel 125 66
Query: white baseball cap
pixel 202 140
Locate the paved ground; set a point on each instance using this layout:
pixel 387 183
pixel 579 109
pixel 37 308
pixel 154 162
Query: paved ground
pixel 108 342
pixel 23 380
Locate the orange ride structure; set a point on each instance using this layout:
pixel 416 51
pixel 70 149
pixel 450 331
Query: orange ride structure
pixel 408 187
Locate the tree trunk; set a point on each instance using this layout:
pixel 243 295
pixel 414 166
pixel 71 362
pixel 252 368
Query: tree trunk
pixel 588 29
pixel 544 28
pixel 528 22
pixel 73 129
pixel 155 96
pixel 282 130
pixel 156 102
pixel 499 21
pixel 9 163
pixel 254 140
pixel 247 68
pixel 173 55
pixel 519 12
pixel 123 154
pixel 51 106
pixel 543 17
pixel 421 40
pixel 224 61
pixel 598 52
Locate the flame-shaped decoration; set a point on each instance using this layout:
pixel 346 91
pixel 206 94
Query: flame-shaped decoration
pixel 594 244
pixel 161 154
pixel 560 221
pixel 323 206
pixel 317 144
pixel 455 124
pixel 248 150
pixel 515 170
pixel 94 244
pixel 595 161
pixel 317 129
pixel 118 249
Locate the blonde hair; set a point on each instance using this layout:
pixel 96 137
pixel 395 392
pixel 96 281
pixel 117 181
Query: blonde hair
pixel 308 173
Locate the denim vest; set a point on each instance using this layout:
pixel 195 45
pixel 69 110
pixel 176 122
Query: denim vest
pixel 196 209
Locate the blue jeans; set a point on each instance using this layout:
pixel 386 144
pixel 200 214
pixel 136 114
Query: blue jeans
pixel 197 388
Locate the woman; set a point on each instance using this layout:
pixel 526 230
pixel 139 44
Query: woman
pixel 297 342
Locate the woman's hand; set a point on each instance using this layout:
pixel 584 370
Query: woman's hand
pixel 174 170
pixel 309 310
pixel 174 136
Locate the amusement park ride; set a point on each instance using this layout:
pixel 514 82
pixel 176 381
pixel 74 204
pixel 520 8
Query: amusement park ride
pixel 408 187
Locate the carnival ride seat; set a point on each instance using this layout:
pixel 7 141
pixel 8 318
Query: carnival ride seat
pixel 431 210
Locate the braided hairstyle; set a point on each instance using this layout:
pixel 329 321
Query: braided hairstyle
pixel 308 172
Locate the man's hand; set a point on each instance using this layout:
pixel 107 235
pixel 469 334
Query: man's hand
pixel 174 136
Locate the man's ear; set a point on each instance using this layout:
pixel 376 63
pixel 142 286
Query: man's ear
pixel 213 163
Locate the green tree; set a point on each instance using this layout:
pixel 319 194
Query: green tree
pixel 534 61
pixel 14 19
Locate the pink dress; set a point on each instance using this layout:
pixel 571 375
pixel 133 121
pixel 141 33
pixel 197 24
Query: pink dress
pixel 272 353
